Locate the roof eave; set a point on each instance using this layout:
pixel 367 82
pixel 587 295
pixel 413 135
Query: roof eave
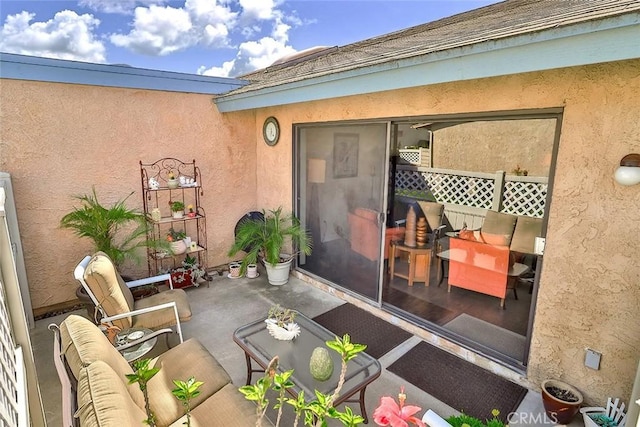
pixel 592 42
pixel 22 67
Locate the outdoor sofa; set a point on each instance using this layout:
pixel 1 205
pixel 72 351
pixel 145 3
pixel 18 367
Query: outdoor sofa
pixel 105 399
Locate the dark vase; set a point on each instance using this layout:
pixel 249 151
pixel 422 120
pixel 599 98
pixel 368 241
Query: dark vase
pixel 561 401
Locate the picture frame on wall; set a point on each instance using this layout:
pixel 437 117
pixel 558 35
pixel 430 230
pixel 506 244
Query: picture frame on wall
pixel 345 155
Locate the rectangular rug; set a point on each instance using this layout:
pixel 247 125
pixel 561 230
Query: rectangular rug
pixel 462 385
pixel 363 327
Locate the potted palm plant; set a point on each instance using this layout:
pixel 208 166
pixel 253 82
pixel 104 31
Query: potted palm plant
pixel 115 230
pixel 267 238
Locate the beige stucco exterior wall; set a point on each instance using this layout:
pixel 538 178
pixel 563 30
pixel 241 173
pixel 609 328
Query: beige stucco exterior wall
pixel 589 292
pixel 58 140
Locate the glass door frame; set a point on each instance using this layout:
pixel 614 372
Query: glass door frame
pixel 299 173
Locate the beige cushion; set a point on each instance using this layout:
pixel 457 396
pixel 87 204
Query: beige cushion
pixel 179 363
pixel 227 408
pixel 497 228
pixel 524 236
pixel 83 344
pixel 103 400
pixel 433 213
pixel 110 291
pixel 367 214
pixel 162 318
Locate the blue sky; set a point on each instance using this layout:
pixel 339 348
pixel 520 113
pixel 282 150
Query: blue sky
pixel 212 37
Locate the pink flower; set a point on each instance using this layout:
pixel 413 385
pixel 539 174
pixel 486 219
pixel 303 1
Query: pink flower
pixel 389 413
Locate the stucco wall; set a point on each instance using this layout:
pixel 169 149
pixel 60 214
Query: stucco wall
pixel 589 293
pixel 57 140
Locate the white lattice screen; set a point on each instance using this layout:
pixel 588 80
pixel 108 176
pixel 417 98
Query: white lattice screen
pixel 9 409
pixel 519 196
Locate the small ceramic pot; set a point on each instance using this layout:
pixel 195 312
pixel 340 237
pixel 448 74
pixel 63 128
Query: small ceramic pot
pixel 178 247
pixel 234 269
pixel 172 183
pixel 252 271
pixel 177 214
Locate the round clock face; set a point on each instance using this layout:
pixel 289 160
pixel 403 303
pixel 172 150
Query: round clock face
pixel 271 131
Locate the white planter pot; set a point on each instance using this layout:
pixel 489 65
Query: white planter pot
pixel 278 274
pixel 178 247
pixel 178 214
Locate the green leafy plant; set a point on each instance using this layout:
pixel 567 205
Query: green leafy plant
pixel 469 421
pixel 174 235
pixel 114 230
pixel 184 392
pixel 142 374
pixel 315 412
pixel 267 237
pixel 281 315
pixel 176 206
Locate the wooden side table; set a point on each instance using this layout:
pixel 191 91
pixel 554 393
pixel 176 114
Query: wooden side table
pixel 422 253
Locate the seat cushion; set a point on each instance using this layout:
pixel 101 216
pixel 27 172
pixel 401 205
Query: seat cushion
pixel 179 363
pixel 226 408
pixel 110 291
pixel 433 213
pixel 83 344
pixel 103 400
pixel 162 318
pixel 497 228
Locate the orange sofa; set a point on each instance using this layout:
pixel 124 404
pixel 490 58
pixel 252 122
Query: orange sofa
pixel 365 234
pixel 479 267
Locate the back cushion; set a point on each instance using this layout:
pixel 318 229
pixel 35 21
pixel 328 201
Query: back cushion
pixel 103 400
pixel 365 213
pixel 497 228
pixel 433 212
pixel 527 229
pixel 83 344
pixel 112 293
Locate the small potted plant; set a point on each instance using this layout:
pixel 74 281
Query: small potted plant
pixel 177 209
pixel 266 238
pixel 172 180
pixel 191 213
pixel 280 323
pixel 188 275
pixel 176 241
pixel 561 401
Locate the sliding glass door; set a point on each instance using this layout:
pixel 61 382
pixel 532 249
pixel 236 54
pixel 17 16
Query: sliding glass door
pixel 341 170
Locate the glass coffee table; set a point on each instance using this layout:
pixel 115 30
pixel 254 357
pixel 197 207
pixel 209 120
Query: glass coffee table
pixel 260 347
pixel 134 353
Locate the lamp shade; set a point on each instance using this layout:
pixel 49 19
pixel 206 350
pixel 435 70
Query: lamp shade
pixel 629 171
pixel 316 170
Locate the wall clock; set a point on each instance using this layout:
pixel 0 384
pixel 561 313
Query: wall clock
pixel 271 131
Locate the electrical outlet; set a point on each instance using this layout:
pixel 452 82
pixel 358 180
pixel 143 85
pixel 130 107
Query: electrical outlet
pixel 539 245
pixel 592 359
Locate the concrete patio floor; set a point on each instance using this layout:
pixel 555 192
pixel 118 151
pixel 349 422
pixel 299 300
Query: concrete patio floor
pixel 227 304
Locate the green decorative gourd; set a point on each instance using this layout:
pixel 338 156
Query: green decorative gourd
pixel 320 364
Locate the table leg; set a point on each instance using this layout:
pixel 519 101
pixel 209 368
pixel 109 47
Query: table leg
pixel 249 370
pixel 412 267
pixel 427 270
pixel 392 259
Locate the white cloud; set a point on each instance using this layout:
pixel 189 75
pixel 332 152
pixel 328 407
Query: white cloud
pixel 120 6
pixel 161 30
pixel 260 10
pixel 66 36
pixel 158 30
pixel 223 71
pixel 256 54
pixel 251 56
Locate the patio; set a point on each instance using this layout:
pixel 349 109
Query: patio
pixel 229 303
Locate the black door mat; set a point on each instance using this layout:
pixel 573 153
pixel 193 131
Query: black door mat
pixel 363 327
pixel 462 385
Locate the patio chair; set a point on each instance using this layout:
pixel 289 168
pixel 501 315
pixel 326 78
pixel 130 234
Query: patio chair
pixel 114 301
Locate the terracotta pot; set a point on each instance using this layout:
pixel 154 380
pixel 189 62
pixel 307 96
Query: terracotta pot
pixel 560 411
